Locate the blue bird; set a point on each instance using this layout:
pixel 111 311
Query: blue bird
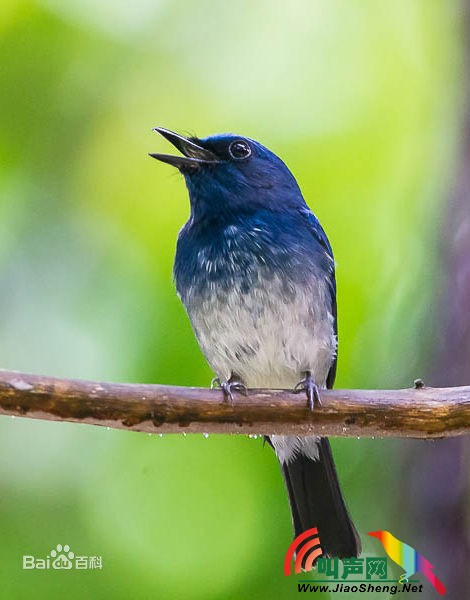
pixel 255 272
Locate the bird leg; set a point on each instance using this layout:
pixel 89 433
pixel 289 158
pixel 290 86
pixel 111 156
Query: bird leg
pixel 309 386
pixel 234 384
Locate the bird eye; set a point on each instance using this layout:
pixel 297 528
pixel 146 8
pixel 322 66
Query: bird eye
pixel 239 149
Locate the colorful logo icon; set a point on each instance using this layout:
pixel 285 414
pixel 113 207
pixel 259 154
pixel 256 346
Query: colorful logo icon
pixel 305 553
pixel 407 557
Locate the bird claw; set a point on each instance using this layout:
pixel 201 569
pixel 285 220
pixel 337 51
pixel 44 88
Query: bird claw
pixel 309 386
pixel 228 387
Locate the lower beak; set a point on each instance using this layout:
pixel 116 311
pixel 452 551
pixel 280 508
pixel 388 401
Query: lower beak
pixel 193 157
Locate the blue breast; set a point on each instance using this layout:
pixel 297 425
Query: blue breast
pixel 218 255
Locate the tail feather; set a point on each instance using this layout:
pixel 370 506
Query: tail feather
pixel 426 569
pixel 316 501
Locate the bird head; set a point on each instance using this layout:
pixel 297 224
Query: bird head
pixel 229 174
pixel 378 534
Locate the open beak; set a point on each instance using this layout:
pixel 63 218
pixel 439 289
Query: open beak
pixel 193 157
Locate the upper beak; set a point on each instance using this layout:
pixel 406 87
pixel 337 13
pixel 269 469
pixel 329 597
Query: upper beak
pixel 194 155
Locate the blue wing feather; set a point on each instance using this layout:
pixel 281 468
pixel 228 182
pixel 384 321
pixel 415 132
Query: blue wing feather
pixel 321 237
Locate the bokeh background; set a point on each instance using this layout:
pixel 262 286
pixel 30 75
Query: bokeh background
pixel 366 101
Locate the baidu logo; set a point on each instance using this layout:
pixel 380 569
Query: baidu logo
pixel 62 558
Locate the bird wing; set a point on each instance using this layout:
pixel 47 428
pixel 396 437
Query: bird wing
pixel 321 239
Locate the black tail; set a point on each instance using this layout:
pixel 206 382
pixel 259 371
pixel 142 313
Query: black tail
pixel 316 501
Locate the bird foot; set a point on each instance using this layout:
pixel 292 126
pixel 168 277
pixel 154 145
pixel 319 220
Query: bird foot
pixel 309 386
pixel 228 387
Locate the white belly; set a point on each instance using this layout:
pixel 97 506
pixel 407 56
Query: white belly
pixel 270 336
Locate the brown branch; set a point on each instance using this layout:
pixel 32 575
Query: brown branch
pixel 421 412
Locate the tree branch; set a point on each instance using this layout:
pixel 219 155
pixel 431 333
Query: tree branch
pixel 421 412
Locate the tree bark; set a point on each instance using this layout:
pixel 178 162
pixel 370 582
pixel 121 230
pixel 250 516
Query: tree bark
pixel 420 412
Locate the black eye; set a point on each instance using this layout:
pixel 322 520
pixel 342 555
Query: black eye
pixel 239 149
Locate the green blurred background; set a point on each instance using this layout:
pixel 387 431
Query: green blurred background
pixel 364 100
